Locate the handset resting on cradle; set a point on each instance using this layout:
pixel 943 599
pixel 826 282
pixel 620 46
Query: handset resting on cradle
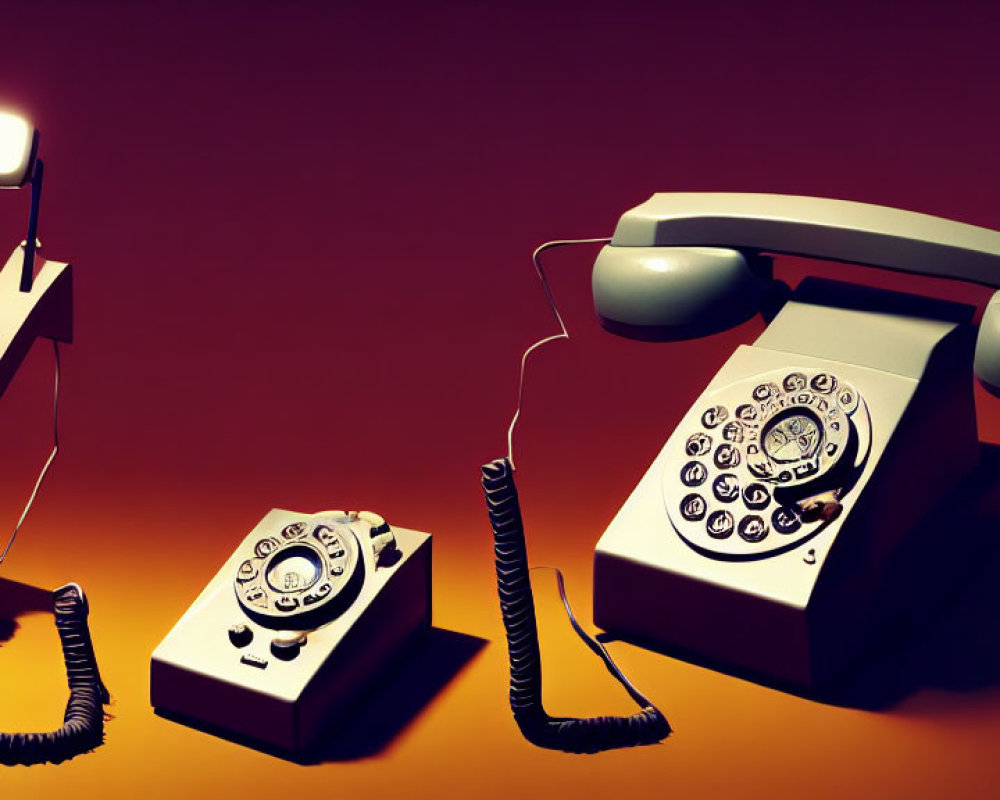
pixel 774 515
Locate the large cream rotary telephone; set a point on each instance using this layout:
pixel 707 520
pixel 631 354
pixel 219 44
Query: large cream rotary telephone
pixel 763 532
pixel 767 535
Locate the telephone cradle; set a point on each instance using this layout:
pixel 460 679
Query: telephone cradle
pixel 304 616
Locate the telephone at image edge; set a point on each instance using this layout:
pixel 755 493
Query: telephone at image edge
pixel 304 616
pixel 36 300
pixel 766 532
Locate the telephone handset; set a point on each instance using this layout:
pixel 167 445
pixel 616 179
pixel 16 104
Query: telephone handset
pixel 688 262
pixel 764 531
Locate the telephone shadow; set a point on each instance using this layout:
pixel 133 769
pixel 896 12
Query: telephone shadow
pixel 949 637
pixel 16 600
pixel 376 717
pixel 950 640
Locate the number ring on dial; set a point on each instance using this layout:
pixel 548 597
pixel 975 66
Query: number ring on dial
pixel 780 430
pixel 302 580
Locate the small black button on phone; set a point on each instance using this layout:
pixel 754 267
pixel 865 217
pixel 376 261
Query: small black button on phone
pixel 240 635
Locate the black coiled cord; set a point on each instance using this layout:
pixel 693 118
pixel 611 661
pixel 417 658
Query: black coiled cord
pixel 83 722
pixel 588 735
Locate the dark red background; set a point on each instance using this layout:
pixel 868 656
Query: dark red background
pixel 301 236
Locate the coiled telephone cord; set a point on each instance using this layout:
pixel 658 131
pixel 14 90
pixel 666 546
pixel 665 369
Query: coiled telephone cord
pixel 83 721
pixel 583 735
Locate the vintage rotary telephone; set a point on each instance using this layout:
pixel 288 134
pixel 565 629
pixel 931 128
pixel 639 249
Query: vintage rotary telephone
pixel 36 300
pixel 763 533
pixel 305 615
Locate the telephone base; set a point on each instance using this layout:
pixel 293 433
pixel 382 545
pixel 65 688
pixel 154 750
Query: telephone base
pixel 204 673
pixel 791 604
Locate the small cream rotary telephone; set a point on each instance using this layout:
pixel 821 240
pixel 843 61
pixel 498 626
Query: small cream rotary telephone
pixel 303 617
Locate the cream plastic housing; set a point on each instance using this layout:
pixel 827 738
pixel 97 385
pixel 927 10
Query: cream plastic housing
pixel 687 228
pixel 840 230
pixel 18 140
pixel 203 672
pixel 45 310
pixel 987 361
pixel 675 292
pixel 801 612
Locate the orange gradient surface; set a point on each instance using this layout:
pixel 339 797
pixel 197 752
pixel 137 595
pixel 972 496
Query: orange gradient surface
pixel 300 235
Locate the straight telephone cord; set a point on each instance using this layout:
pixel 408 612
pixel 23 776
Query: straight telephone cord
pixel 48 462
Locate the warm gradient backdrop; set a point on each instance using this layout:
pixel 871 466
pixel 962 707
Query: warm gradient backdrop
pixel 301 232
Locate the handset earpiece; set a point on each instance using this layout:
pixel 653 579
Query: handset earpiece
pixel 987 361
pixel 669 293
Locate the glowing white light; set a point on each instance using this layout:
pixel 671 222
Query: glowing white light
pixel 15 148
